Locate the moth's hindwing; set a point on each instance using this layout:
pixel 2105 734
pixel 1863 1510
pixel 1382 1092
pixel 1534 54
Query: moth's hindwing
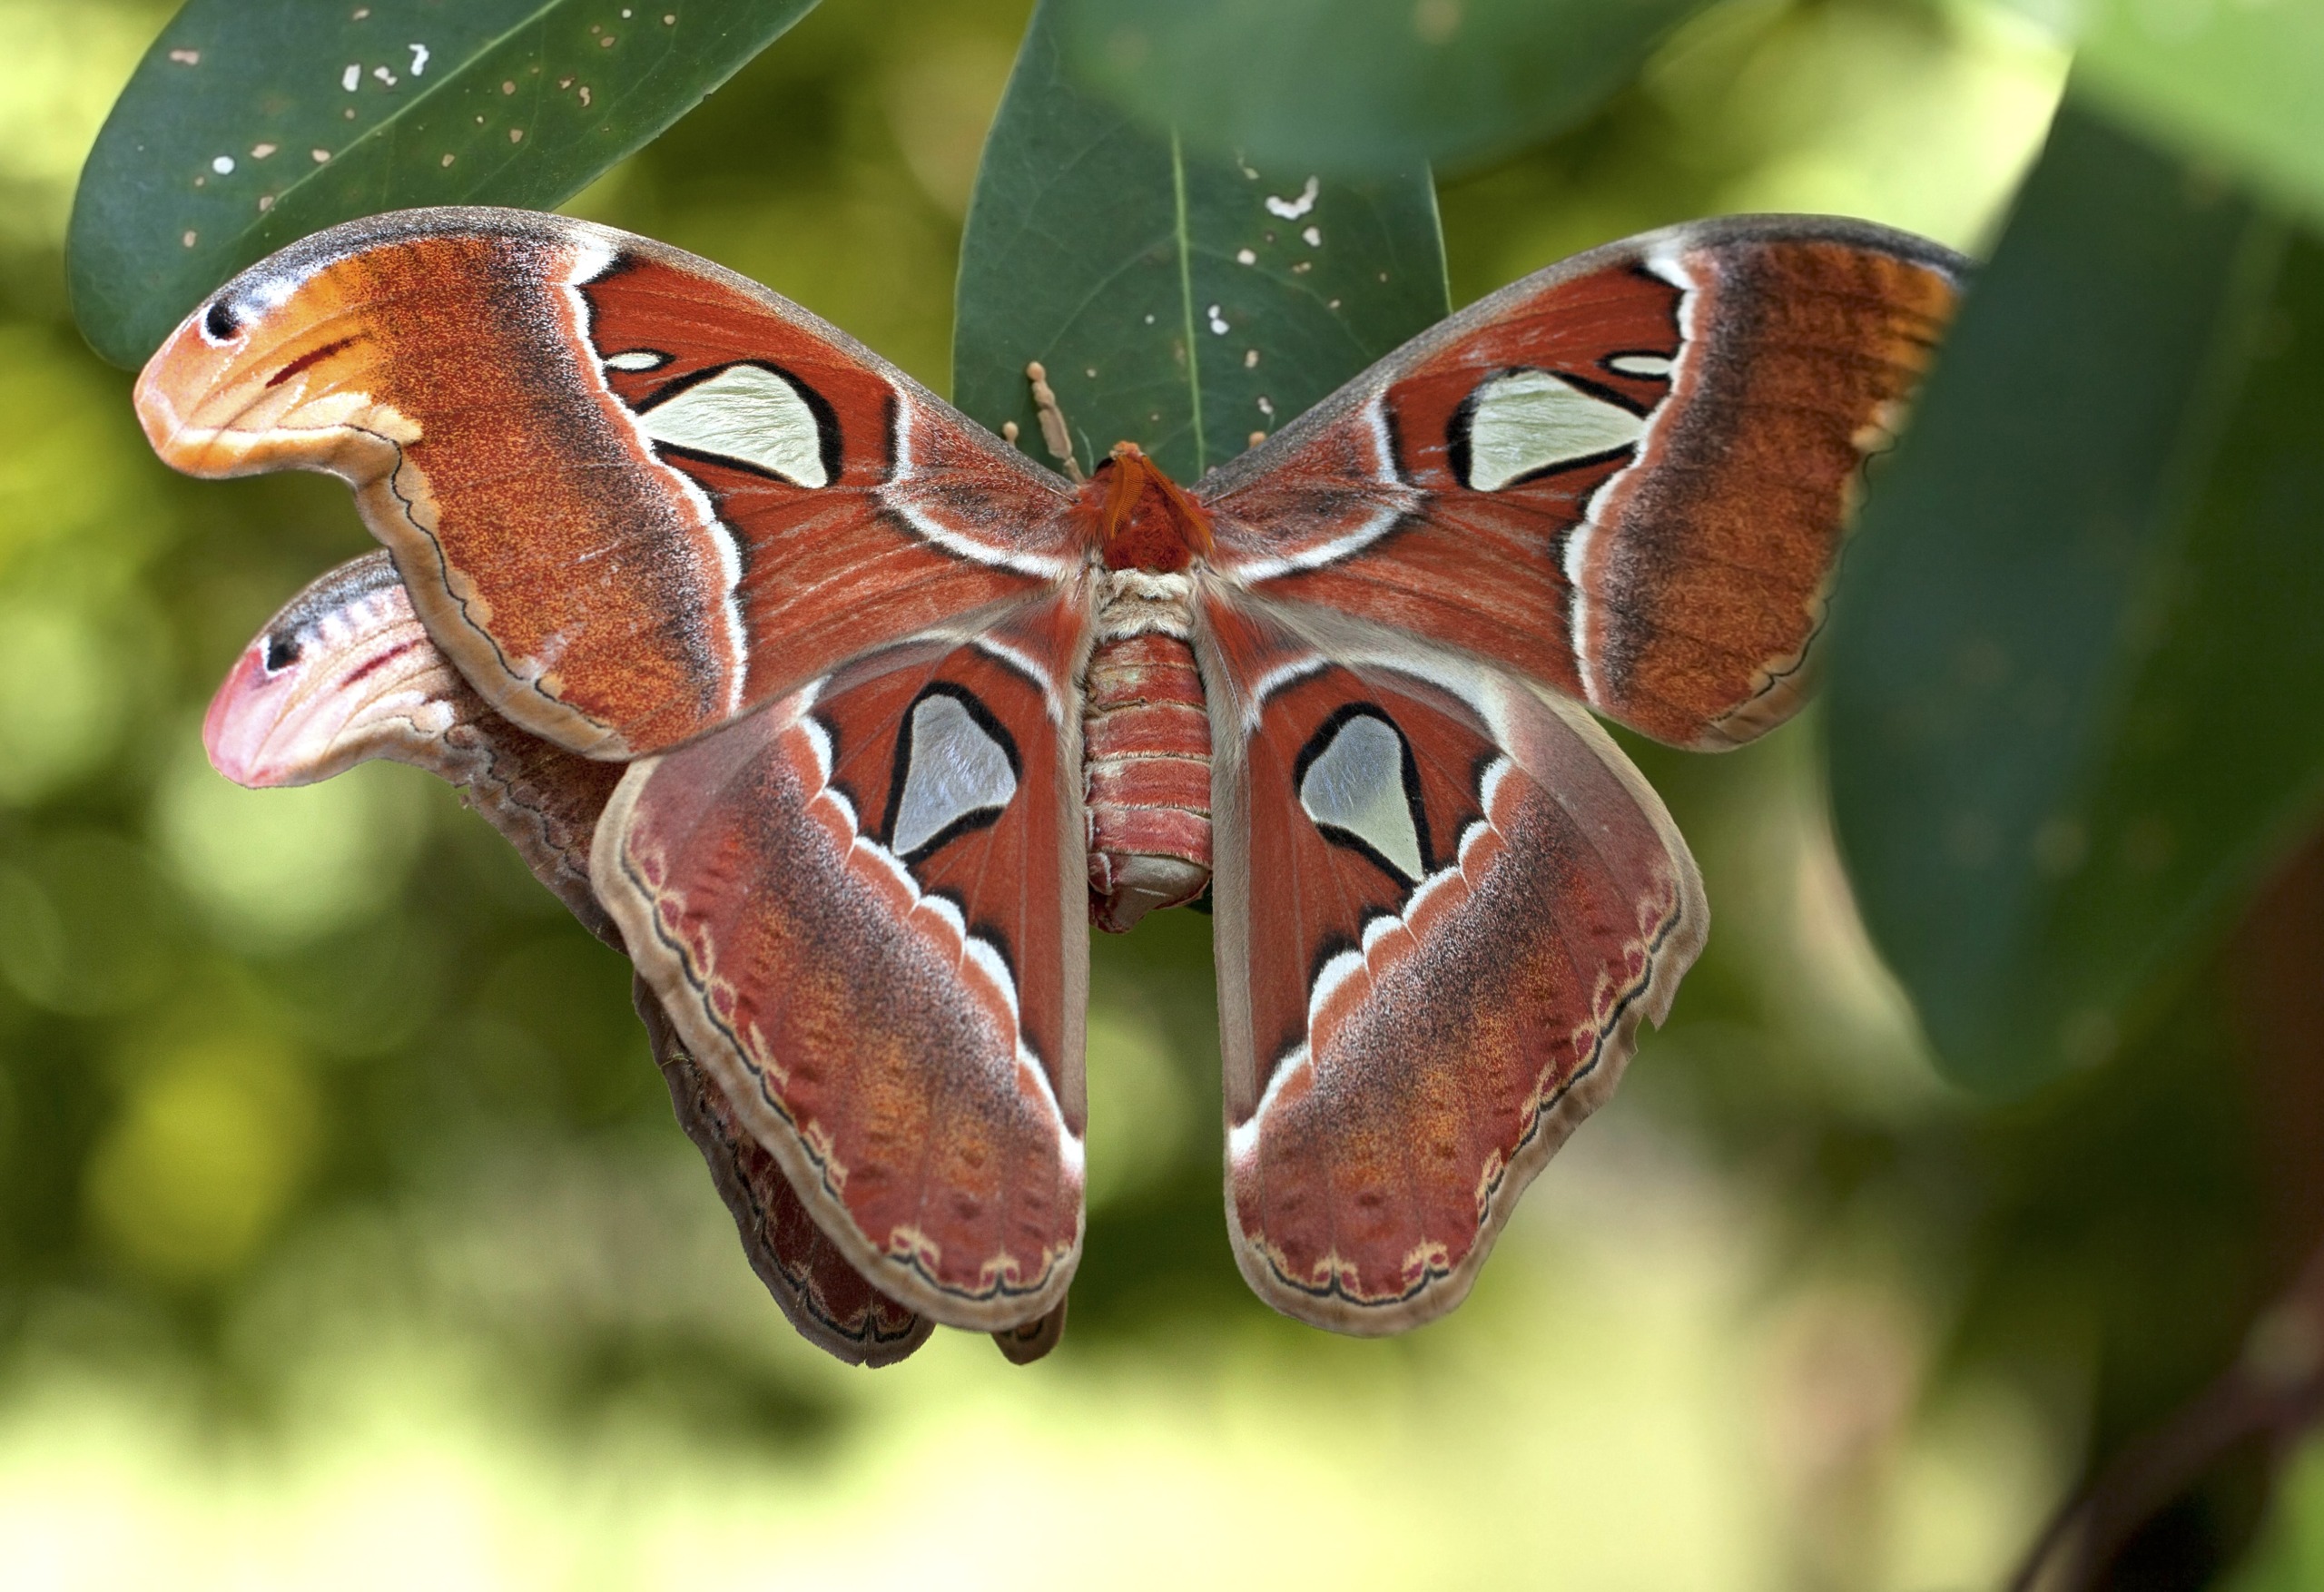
pixel 1444 902
pixel 830 1303
pixel 865 910
pixel 344 674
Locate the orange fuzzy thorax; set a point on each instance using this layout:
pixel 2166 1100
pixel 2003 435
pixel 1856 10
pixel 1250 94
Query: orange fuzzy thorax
pixel 1139 518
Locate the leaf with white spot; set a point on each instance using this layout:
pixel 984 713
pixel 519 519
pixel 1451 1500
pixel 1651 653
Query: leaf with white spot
pixel 396 104
pixel 1117 259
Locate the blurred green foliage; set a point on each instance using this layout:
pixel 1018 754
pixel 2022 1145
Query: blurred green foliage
pixel 1357 86
pixel 2071 715
pixel 345 1236
pixel 2291 1558
pixel 2237 84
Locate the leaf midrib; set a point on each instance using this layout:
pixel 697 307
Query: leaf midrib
pixel 1181 236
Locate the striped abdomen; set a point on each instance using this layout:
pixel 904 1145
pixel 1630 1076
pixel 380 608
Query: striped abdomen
pixel 1146 738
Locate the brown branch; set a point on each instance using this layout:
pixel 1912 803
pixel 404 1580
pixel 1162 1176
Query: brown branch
pixel 2274 1389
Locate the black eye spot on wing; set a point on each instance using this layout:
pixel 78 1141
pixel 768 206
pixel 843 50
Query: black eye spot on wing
pixel 219 322
pixel 282 650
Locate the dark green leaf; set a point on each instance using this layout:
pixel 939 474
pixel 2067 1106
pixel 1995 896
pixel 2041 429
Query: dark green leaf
pixel 1366 86
pixel 2243 83
pixel 253 123
pixel 1178 302
pixel 2074 662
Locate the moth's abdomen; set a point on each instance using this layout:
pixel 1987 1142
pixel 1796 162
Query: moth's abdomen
pixel 1147 740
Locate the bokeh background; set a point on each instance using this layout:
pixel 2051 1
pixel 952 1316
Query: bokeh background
pixel 346 1237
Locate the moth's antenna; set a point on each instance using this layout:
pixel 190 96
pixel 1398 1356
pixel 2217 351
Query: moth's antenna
pixel 1054 434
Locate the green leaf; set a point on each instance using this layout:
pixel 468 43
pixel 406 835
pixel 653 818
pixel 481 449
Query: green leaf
pixel 2241 83
pixel 2074 660
pixel 1178 302
pixel 2290 1554
pixel 1366 86
pixel 253 123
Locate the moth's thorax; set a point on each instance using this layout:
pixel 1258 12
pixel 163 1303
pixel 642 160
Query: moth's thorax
pixel 1145 734
pixel 1142 602
pixel 1136 517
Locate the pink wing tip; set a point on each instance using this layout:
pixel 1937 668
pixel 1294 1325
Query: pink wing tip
pixel 162 386
pixel 242 717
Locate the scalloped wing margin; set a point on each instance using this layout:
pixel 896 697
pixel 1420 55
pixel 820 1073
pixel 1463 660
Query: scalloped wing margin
pixel 1470 900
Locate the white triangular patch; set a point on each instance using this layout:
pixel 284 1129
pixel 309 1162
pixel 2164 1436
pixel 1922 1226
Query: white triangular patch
pixel 748 414
pixel 1357 784
pixel 955 768
pixel 1528 421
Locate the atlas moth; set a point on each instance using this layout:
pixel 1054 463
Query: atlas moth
pixel 843 718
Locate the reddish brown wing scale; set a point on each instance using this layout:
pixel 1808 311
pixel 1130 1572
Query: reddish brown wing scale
pixel 823 1296
pixel 1627 477
pixel 855 907
pixel 634 497
pixel 344 674
pixel 1329 880
pixel 540 418
pixel 1434 961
